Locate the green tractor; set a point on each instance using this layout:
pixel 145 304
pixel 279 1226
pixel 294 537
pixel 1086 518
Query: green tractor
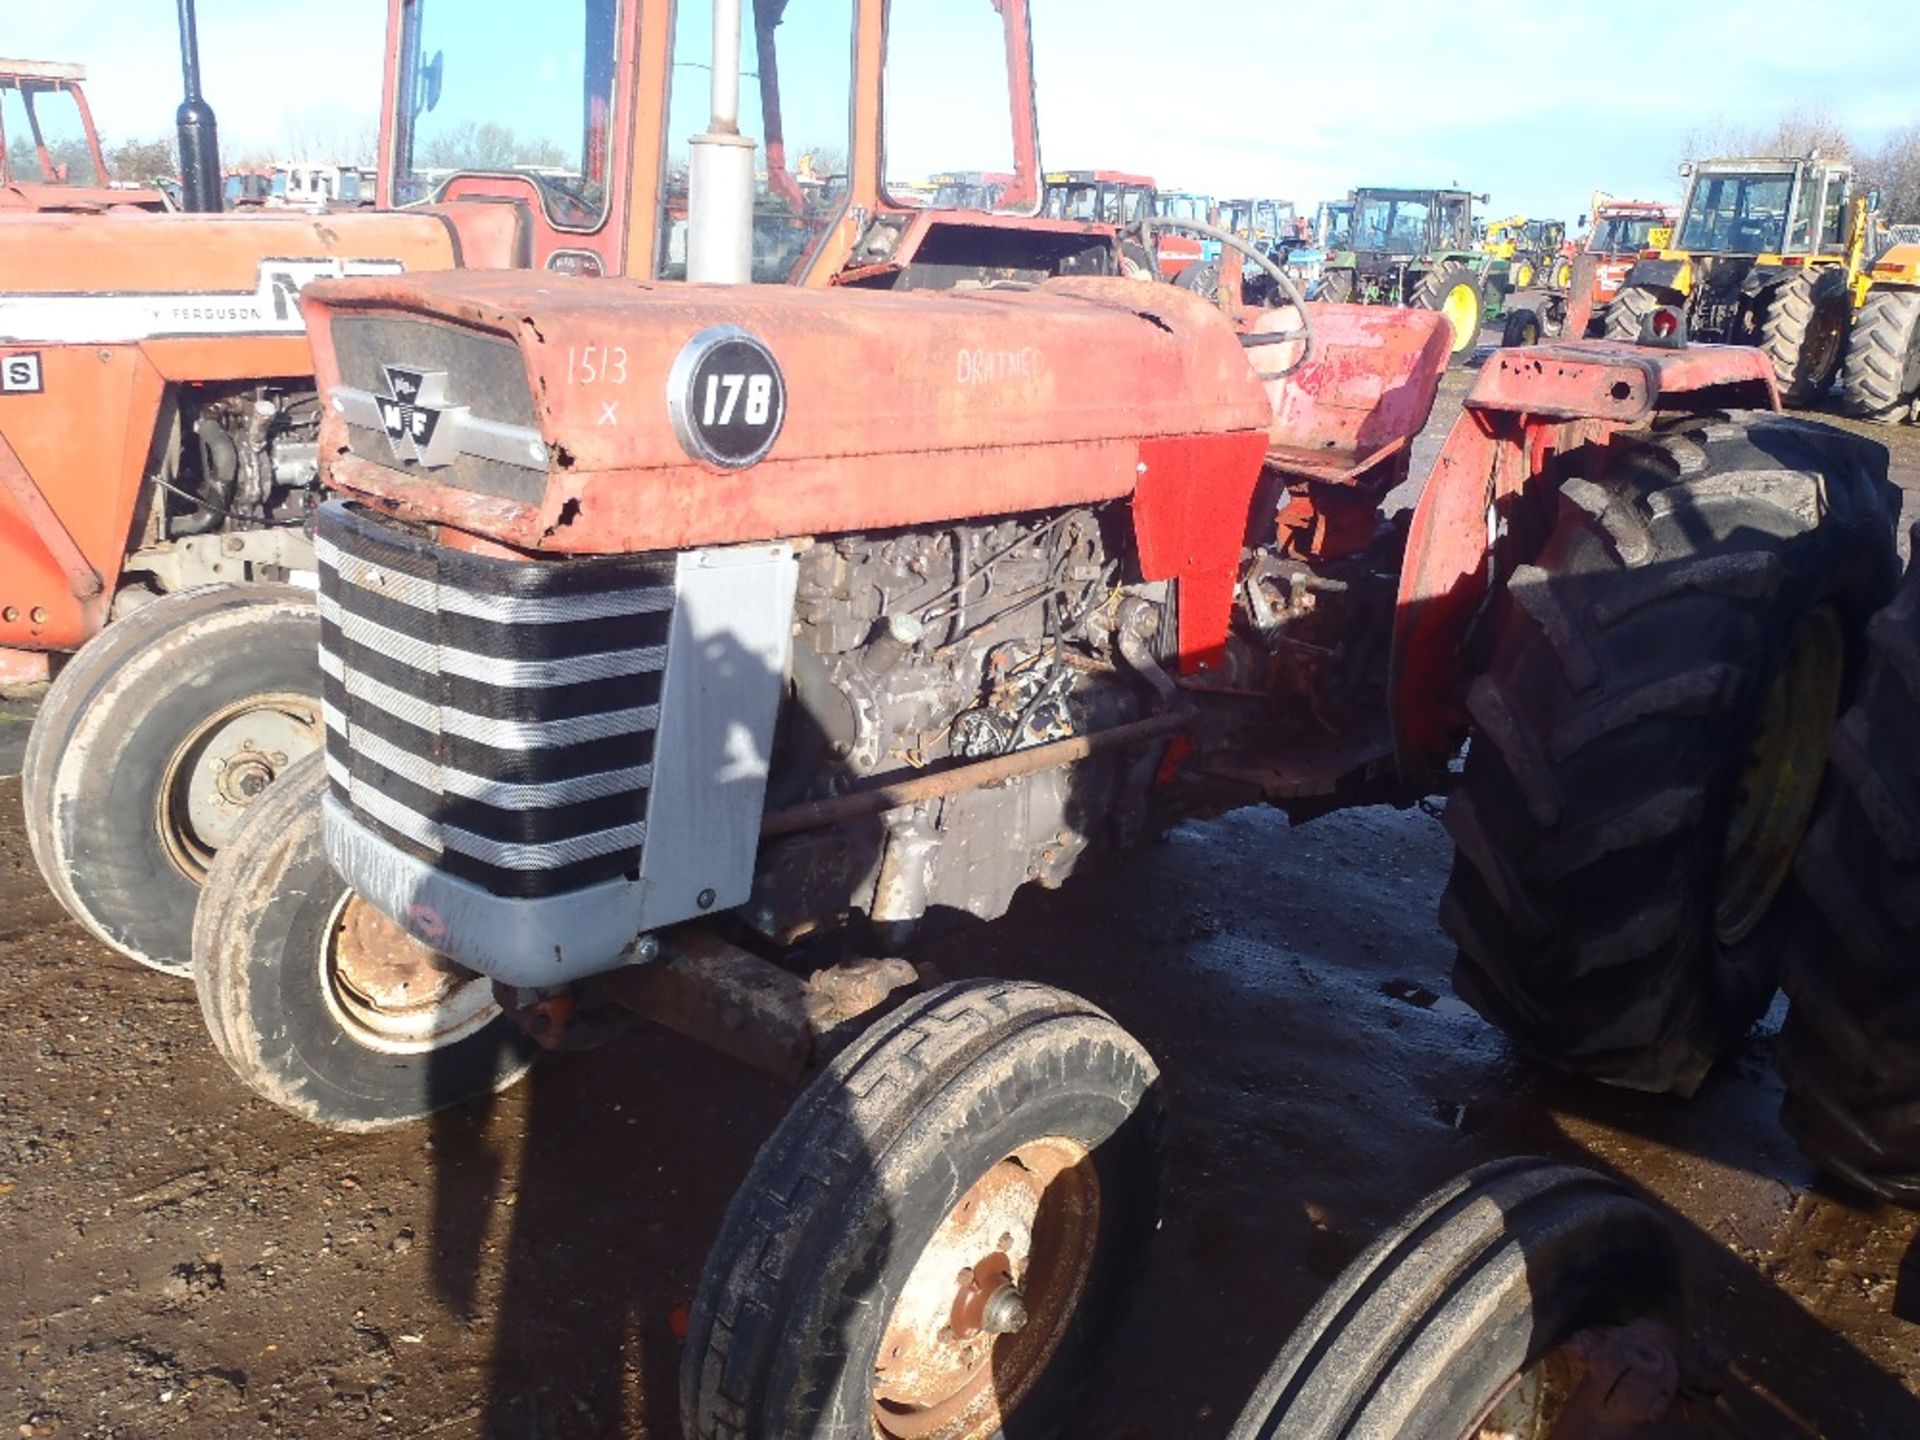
pixel 1417 248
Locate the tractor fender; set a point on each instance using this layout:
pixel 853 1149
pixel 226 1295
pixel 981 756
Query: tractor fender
pixel 1526 405
pixel 1675 276
pixel 1898 265
pixel 1764 277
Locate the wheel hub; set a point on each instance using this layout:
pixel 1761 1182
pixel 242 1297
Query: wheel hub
pixel 1781 779
pixel 393 993
pixel 989 1299
pixel 223 766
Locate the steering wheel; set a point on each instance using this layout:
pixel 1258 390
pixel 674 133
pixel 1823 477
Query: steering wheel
pixel 1287 294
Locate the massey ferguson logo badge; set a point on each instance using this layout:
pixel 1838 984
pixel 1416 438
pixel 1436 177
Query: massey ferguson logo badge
pixel 421 426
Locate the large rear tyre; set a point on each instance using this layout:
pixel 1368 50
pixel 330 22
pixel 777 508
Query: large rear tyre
pixel 1512 1298
pixel 1336 287
pixel 1881 378
pixel 1649 733
pixel 152 746
pixel 1804 332
pixel 930 1245
pixel 1627 312
pixel 322 1005
pixel 1453 289
pixel 1851 1050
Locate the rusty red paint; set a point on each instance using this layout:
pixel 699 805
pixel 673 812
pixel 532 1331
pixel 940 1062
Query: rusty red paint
pixel 902 408
pixel 1528 405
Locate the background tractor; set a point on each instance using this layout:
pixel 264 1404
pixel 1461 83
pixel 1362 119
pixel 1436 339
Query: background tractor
pixel 1177 249
pixel 1534 251
pixel 1416 247
pixel 50 157
pixel 1881 377
pixel 1330 232
pixel 1269 226
pixel 1769 252
pixel 1619 232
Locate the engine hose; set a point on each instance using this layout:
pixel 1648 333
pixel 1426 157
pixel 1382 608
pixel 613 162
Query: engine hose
pixel 1147 224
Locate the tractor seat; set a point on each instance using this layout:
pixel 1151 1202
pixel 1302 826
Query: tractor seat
pixel 1364 394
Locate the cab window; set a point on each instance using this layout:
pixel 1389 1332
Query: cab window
pixel 39 118
pixel 796 80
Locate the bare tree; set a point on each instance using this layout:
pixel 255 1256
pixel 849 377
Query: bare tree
pixel 141 162
pixel 485 145
pixel 1895 168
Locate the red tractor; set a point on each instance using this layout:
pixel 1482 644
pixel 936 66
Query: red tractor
pixel 667 629
pixel 50 157
pixel 1619 231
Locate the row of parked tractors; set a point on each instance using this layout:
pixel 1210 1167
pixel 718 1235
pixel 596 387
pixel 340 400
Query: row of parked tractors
pixel 464 653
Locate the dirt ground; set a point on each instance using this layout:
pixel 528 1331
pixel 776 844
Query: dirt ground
pixel 177 1258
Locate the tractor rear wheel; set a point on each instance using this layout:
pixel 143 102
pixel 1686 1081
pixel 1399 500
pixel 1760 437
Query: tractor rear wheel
pixel 1560 273
pixel 1627 312
pixel 1804 332
pixel 152 746
pixel 1521 1298
pixel 1336 287
pixel 1648 738
pixel 1851 1050
pixel 1454 290
pixel 1881 376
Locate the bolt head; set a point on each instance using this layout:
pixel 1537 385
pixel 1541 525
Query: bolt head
pixel 1005 1313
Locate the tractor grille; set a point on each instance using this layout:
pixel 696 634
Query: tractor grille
pixel 492 718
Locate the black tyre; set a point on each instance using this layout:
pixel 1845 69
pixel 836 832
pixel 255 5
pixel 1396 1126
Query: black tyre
pixel 1515 1289
pixel 1523 327
pixel 1649 733
pixel 1136 261
pixel 1881 375
pixel 1000 1133
pixel 1851 1050
pixel 1452 288
pixel 1803 329
pixel 1336 287
pixel 319 1003
pixel 1627 312
pixel 1203 279
pixel 1559 273
pixel 153 744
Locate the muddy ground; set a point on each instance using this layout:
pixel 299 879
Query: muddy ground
pixel 177 1258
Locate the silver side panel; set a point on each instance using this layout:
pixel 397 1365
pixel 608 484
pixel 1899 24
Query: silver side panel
pixel 726 665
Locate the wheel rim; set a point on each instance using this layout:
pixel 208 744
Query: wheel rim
pixel 1462 309
pixel 224 765
pixel 1532 1403
pixel 990 1298
pixel 1522 275
pixel 390 992
pixel 1824 341
pixel 1781 779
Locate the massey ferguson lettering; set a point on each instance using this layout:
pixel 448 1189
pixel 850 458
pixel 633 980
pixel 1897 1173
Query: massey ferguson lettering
pixel 272 307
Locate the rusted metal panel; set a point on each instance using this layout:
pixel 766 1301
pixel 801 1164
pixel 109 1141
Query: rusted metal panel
pixel 1618 381
pixel 901 408
pixel 1365 391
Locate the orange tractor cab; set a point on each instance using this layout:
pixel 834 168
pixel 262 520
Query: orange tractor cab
pixel 50 157
pixel 1619 231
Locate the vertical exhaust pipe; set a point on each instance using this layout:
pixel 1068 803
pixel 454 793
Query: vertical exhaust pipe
pixel 720 169
pixel 200 180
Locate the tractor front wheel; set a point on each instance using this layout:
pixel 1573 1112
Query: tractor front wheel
pixel 152 747
pixel 1526 1298
pixel 1649 734
pixel 1803 329
pixel 1881 376
pixel 318 1002
pixel 931 1244
pixel 1454 290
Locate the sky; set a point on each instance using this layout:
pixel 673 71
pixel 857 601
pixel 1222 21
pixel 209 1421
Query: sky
pixel 1536 105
